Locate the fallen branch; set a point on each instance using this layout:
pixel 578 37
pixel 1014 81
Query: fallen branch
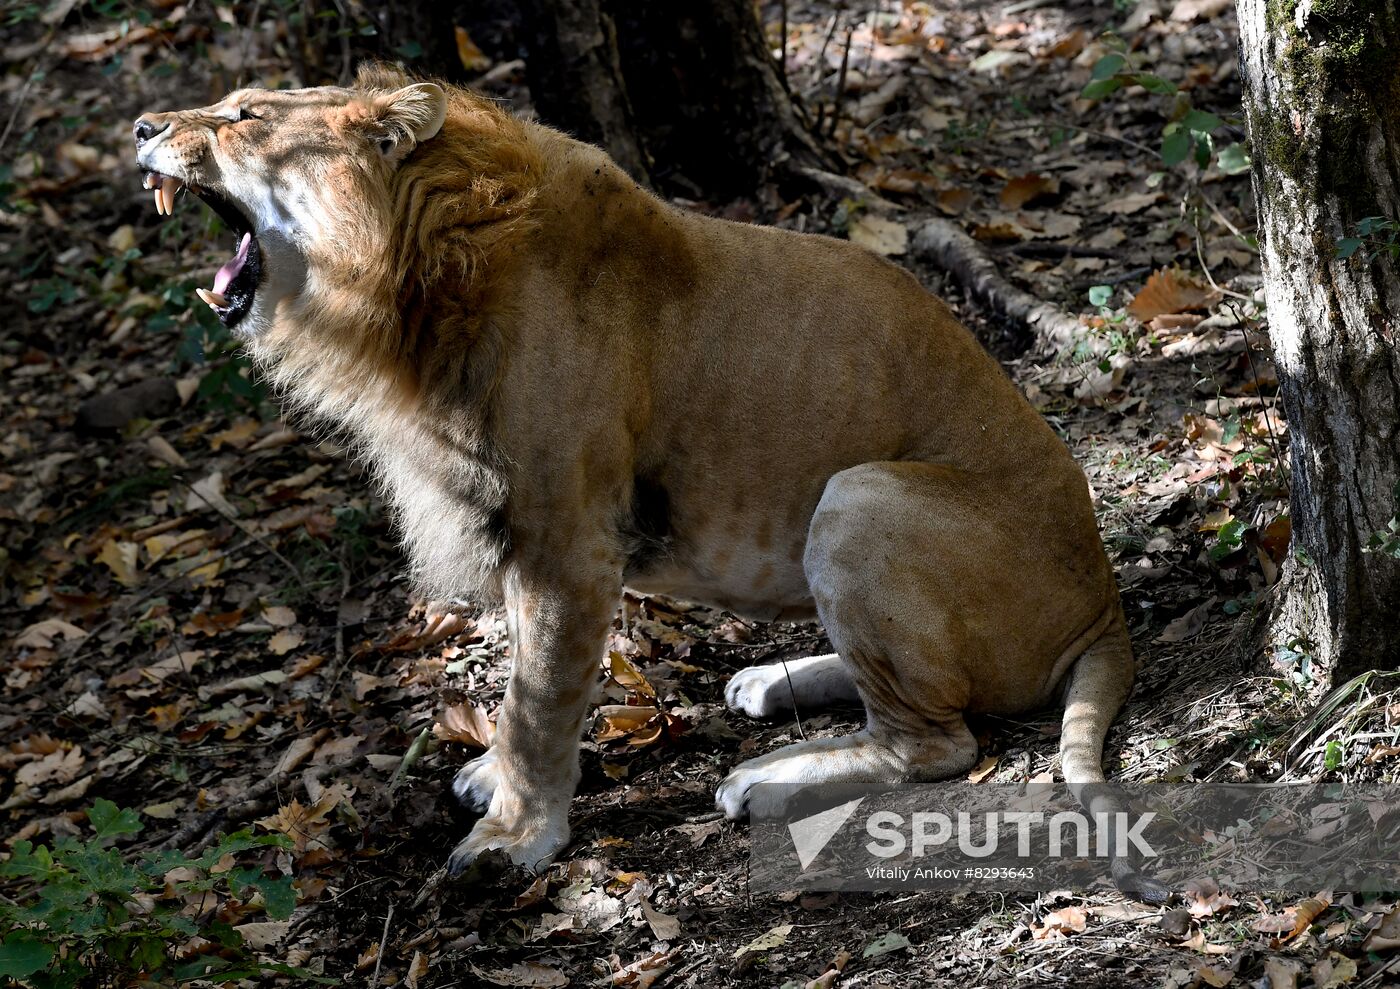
pixel 946 245
pixel 845 187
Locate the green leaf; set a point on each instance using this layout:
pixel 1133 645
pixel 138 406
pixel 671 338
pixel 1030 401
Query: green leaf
pixel 1348 246
pixel 1176 146
pixel 1334 755
pixel 22 954
pixel 1154 84
pixel 1201 122
pixel 1100 294
pixel 1205 145
pixel 1368 225
pixel 109 822
pixel 1108 66
pixel 279 897
pixel 240 841
pixel 409 49
pixel 1100 88
pixel 1233 159
pixel 1228 539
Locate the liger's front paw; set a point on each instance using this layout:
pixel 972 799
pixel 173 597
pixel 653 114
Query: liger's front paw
pixel 759 788
pixel 531 846
pixel 476 782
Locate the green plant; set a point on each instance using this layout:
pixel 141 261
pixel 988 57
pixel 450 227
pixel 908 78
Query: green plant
pixel 1112 329
pixel 1379 234
pixel 1228 538
pixel 1189 132
pixel 83 913
pixel 1295 659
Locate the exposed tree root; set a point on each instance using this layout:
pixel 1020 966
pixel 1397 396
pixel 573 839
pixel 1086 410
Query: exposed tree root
pixel 945 244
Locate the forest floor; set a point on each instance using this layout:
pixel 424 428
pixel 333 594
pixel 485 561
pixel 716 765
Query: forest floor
pixel 206 619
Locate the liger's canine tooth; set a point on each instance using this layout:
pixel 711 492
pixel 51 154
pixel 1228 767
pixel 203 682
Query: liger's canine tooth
pixel 168 189
pixel 215 299
pixel 160 201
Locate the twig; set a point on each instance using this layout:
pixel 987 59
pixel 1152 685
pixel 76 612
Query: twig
pixel 820 63
pixel 1215 210
pixel 840 83
pixel 291 567
pixel 1268 419
pixel 383 942
pixel 1052 252
pixel 846 187
pixel 796 714
pixel 1118 279
pixel 783 42
pixel 1201 257
pixel 1064 125
pixel 339 634
pixel 19 104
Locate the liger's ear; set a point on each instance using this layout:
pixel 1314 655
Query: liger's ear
pixel 410 116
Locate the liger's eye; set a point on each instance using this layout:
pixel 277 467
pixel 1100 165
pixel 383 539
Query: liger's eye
pixel 245 114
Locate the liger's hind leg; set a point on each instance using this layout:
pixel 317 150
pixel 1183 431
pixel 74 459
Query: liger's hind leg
pixel 896 636
pixel 812 681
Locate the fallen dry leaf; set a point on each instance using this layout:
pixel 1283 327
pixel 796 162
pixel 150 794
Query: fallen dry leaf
pixel 1134 202
pixel 285 640
pixel 279 615
pixel 1214 975
pixel 1059 923
pixel 875 233
pixel 983 769
pixel 523 974
pixel 1187 626
pixel 1026 189
pixel 641 973
pixel 417 969
pixel 1168 291
pixel 41 635
pixel 120 558
pixel 774 938
pixel 1334 970
pixel 955 200
pixel 663 926
pixel 1294 920
pixel 473 59
pixel 1282 973
pixel 1204 898
pixel 263 934
pixel 465 723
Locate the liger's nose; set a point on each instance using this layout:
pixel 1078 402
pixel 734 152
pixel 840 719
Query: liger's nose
pixel 145 128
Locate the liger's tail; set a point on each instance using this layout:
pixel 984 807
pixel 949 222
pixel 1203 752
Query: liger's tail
pixel 1098 685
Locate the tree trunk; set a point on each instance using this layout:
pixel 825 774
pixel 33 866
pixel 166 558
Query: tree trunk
pixel 691 87
pixel 1322 99
pixel 576 80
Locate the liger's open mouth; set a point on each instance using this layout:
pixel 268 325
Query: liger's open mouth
pixel 237 279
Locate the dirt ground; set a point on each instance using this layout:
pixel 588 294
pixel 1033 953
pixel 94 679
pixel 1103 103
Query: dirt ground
pixel 206 617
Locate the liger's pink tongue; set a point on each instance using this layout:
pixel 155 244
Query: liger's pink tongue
pixel 233 265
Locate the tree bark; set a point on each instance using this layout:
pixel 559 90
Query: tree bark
pixel 1322 99
pixel 576 79
pixel 691 87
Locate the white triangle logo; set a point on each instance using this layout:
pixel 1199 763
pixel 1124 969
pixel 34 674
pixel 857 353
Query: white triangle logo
pixel 811 834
